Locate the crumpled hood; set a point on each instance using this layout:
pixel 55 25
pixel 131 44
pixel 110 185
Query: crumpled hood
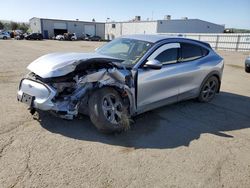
pixel 59 64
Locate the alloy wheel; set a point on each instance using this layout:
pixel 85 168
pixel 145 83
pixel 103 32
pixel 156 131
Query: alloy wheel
pixel 209 90
pixel 112 108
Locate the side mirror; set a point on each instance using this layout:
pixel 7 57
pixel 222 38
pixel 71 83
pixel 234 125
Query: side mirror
pixel 153 64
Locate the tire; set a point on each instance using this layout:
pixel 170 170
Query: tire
pixel 4 38
pixel 209 89
pixel 247 69
pixel 106 111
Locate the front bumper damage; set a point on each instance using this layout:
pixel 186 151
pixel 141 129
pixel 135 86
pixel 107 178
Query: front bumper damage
pixel 41 94
pixel 44 96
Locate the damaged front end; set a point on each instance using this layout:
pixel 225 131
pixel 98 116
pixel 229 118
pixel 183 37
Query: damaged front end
pixel 67 95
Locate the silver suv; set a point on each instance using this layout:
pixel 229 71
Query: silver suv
pixel 125 77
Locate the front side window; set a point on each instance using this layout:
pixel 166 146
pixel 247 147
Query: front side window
pixel 190 52
pixel 168 56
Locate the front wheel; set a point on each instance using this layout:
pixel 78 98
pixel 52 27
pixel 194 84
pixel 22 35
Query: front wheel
pixel 107 111
pixel 209 89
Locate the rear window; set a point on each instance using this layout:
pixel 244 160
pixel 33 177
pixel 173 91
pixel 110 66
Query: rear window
pixel 190 52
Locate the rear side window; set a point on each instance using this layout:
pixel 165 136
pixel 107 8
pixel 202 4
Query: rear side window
pixel 204 51
pixel 168 56
pixel 190 52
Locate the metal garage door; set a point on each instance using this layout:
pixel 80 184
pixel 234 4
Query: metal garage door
pixel 60 26
pixel 89 29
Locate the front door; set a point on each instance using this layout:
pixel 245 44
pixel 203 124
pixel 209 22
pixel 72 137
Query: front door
pixel 159 87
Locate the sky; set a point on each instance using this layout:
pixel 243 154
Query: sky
pixel 229 12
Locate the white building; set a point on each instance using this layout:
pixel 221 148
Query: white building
pixel 110 30
pixel 185 25
pixel 52 27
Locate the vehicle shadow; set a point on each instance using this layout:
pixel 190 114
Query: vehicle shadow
pixel 167 127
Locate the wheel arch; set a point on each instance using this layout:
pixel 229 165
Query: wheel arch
pixel 213 73
pixel 100 117
pixel 124 94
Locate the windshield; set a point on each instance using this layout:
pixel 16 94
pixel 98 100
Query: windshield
pixel 128 50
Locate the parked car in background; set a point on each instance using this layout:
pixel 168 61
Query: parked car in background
pixel 92 38
pixel 247 65
pixel 34 36
pixel 82 37
pixel 74 37
pixel 70 36
pixel 20 36
pixel 127 76
pixel 66 36
pixel 59 37
pixel 4 35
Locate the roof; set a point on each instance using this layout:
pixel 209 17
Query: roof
pixel 148 38
pixel 190 20
pixel 156 38
pixel 142 21
pixel 67 20
pixel 162 20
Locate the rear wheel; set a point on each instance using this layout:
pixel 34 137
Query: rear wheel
pixel 209 89
pixel 107 111
pixel 4 38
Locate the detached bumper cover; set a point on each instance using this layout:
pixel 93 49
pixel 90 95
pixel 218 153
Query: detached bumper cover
pixel 41 94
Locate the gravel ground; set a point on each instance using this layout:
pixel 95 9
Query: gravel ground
pixel 188 144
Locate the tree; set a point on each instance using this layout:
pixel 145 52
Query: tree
pixel 24 27
pixel 6 26
pixel 1 25
pixel 13 25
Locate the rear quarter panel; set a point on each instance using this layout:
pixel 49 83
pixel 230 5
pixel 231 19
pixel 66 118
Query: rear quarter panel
pixel 194 74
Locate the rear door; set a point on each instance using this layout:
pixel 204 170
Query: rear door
pixel 192 69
